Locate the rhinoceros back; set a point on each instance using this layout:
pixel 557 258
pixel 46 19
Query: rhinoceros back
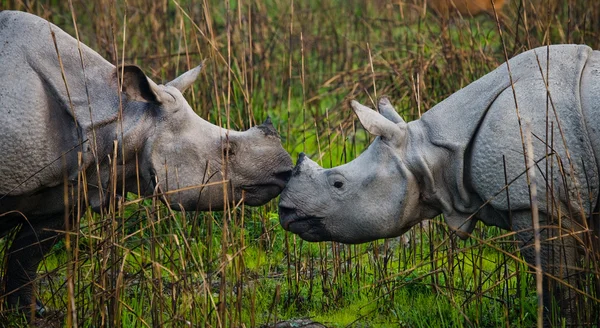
pixel 564 124
pixel 43 125
pixel 590 102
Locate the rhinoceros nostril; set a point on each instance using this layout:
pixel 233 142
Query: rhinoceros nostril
pixel 286 215
pixel 285 211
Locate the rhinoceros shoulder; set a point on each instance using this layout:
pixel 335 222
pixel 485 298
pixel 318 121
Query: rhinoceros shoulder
pixel 554 115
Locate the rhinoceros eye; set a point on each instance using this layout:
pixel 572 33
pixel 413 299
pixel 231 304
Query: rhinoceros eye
pixel 336 181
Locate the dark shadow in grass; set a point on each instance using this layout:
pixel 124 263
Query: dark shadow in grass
pixel 296 323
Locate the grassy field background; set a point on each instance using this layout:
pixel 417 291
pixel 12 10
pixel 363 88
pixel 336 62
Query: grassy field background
pixel 298 62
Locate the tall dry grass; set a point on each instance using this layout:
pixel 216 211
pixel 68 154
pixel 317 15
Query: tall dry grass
pixel 299 62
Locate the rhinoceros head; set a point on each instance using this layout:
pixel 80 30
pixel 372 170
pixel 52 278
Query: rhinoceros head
pixel 365 199
pixel 196 165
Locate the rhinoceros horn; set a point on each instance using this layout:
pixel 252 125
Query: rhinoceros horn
pixel 268 128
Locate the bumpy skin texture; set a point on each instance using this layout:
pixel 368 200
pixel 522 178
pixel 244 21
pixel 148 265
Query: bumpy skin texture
pixel 452 161
pixel 47 120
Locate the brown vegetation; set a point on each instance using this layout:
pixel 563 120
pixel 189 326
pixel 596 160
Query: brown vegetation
pixel 465 7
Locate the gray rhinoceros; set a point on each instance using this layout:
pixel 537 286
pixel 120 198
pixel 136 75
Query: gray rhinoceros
pixel 54 109
pixel 464 158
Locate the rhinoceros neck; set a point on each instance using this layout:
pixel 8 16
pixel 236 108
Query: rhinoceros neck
pixel 439 146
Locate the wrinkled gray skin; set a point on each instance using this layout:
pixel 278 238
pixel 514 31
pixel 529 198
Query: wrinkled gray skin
pixel 43 131
pixel 451 162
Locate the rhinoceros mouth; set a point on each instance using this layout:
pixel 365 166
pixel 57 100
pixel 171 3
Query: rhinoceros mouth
pixel 260 194
pixel 296 221
pixel 300 226
pixel 309 228
pixel 257 188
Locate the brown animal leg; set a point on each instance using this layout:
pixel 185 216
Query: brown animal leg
pixel 28 248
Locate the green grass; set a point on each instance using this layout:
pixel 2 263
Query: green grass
pixel 299 62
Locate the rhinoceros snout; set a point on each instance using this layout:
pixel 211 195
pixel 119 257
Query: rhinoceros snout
pixel 286 215
pixel 309 228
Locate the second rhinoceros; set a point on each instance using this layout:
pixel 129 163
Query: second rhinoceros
pixel 62 112
pixel 466 159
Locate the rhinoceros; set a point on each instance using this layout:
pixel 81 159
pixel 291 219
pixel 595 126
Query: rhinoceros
pixel 63 108
pixel 466 158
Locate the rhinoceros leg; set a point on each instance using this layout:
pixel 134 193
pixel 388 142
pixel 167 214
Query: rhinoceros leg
pixel 27 250
pixel 559 253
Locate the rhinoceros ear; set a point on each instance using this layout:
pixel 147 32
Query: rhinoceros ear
pixel 136 85
pixel 377 124
pixel 387 110
pixel 186 79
